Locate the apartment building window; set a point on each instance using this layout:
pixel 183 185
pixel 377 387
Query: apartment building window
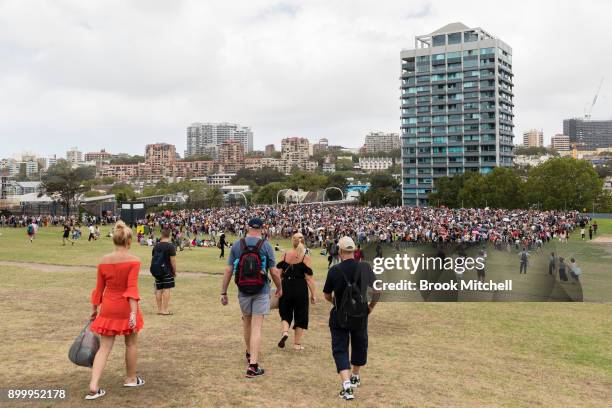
pixel 454 38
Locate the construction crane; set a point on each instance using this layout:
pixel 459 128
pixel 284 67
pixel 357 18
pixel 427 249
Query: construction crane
pixel 587 114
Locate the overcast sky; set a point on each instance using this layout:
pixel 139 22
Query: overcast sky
pixel 118 74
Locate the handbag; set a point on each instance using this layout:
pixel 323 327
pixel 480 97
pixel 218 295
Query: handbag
pixel 273 299
pixel 84 348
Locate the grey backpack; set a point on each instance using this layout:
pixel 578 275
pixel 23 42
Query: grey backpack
pixel 84 347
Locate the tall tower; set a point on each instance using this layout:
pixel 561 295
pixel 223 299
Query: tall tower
pixel 456 107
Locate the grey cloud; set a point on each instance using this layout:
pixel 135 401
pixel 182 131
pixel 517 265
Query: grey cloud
pixel 119 74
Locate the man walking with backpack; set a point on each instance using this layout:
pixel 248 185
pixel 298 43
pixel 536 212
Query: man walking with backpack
pixel 252 262
pixel 345 288
pixel 163 269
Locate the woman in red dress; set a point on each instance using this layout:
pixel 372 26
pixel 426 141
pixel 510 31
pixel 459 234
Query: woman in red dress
pixel 116 293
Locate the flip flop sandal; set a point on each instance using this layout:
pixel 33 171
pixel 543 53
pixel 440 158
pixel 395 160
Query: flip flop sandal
pixel 281 343
pixel 99 394
pixel 139 383
pixel 298 347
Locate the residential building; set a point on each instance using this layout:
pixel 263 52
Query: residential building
pixel 295 152
pixel 456 107
pixel 376 142
pixel 74 156
pixel 371 164
pixel 202 138
pixel 587 134
pixel 221 179
pixel 231 155
pixel 160 154
pixel 191 169
pixel 51 161
pixel 98 157
pixel 533 138
pixel 560 142
pixel 258 163
pixel 270 149
pixel 530 161
pixel 328 167
pixel 27 166
pixel 320 146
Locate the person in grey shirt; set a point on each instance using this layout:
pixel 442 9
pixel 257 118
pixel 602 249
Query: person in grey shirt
pixel 253 306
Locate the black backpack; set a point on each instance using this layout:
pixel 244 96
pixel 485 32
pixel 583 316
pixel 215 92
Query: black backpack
pixel 352 311
pixel 159 268
pixel 250 271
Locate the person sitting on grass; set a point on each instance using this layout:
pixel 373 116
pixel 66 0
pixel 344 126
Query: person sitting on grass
pixel 116 294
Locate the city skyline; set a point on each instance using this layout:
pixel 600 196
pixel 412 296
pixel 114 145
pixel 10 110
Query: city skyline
pixel 79 75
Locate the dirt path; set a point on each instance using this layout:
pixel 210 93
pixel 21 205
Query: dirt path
pixel 604 241
pixel 43 267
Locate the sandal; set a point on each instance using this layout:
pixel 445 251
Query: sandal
pixel 139 383
pixel 298 347
pixel 281 343
pixel 98 394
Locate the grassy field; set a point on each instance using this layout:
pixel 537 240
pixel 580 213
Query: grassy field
pixel 421 354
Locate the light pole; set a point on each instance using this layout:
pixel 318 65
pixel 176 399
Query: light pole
pixel 246 202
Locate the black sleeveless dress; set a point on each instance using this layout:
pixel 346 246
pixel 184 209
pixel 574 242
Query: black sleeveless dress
pixel 293 305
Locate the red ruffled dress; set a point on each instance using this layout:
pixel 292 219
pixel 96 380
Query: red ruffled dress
pixel 116 284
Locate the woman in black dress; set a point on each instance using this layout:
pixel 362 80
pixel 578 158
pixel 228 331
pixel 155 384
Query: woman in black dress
pixel 297 281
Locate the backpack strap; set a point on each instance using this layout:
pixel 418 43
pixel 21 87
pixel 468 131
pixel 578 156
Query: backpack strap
pixel 259 244
pixel 243 244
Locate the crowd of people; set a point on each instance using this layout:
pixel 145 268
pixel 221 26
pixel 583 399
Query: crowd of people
pixel 254 266
pixel 320 224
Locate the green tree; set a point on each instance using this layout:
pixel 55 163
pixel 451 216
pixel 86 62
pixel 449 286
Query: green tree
pixel 202 157
pixel 66 183
pixel 197 196
pixel 447 190
pixel 306 181
pixel 260 177
pixel 127 159
pixel 474 191
pixel 563 183
pixel 267 194
pixel 123 192
pixel 383 190
pixel 213 197
pixel 336 180
pixel 505 189
pixel 344 165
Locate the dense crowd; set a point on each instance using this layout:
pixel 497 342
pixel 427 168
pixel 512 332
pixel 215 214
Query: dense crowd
pixel 18 221
pixel 321 223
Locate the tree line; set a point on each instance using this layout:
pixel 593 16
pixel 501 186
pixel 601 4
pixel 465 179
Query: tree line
pixel 558 183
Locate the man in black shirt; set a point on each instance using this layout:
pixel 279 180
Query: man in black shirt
pixel 164 284
pixel 334 288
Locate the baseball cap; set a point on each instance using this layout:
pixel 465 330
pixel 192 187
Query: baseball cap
pixel 346 244
pixel 255 223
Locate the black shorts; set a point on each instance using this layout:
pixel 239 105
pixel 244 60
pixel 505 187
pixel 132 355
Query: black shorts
pixel 293 305
pixel 166 282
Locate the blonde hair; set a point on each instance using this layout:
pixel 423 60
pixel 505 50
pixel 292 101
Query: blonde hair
pixel 297 241
pixel 122 234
